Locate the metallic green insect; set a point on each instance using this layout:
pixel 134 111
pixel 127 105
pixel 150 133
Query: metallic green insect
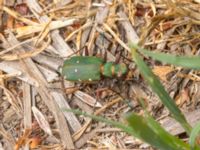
pixel 90 68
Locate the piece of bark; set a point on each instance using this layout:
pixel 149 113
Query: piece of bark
pixel 60 120
pixel 42 120
pixel 71 118
pixel 87 99
pixel 51 62
pixel 48 74
pixel 27 106
pixel 172 126
pixel 130 31
pixel 14 67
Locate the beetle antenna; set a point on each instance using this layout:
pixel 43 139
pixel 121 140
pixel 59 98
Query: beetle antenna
pixel 118 56
pixel 76 52
pixel 103 43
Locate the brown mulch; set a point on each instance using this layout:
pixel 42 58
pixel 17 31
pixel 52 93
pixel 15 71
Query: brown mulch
pixel 37 36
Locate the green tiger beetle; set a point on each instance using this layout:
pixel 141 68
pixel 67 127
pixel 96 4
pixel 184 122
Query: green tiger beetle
pixel 90 68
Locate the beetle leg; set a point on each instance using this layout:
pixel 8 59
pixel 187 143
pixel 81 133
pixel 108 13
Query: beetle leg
pixel 86 51
pixel 118 56
pixel 105 56
pixel 103 49
pixel 71 90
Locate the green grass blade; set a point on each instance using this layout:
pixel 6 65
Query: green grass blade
pixel 151 132
pixel 119 125
pixel 193 135
pixel 192 62
pixel 160 91
pixel 139 127
pixel 160 131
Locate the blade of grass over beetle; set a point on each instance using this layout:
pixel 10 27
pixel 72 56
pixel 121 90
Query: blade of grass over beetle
pixel 151 132
pixel 192 62
pixel 160 91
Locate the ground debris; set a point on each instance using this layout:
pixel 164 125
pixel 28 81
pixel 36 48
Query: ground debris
pixel 37 36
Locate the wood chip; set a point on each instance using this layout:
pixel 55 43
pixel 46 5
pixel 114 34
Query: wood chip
pixel 175 128
pixel 27 106
pixel 87 99
pixel 72 120
pixel 43 123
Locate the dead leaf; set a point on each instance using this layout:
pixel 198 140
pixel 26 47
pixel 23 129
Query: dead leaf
pixel 43 123
pixel 162 71
pixel 34 142
pixel 87 99
pixel 22 140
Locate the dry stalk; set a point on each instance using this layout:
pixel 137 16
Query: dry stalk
pixel 18 16
pixel 116 37
pixel 13 101
pixel 11 57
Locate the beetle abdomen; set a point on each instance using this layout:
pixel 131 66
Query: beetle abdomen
pixel 82 68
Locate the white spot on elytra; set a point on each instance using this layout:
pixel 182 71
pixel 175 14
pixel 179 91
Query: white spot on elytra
pixel 65 77
pixel 90 79
pixel 76 70
pixel 77 61
pixel 79 80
